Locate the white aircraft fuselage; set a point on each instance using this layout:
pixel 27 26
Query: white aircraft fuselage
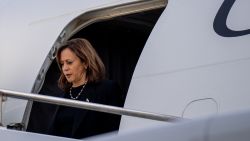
pixel 188 59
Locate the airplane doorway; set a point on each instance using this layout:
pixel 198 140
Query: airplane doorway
pixel 119 42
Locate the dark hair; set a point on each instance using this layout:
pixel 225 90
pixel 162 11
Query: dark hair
pixel 87 54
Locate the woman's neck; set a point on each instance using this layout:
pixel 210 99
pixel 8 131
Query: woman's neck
pixel 82 82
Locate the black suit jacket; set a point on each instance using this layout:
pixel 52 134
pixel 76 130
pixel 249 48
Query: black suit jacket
pixel 87 123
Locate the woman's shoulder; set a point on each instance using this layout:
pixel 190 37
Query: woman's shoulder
pixel 106 87
pixel 111 91
pixel 106 83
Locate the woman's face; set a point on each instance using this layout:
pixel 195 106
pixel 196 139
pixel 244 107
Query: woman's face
pixel 73 69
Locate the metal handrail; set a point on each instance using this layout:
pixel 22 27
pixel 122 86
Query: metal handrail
pixel 89 106
pixel 1 109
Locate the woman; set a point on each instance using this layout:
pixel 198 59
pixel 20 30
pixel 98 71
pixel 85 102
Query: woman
pixel 83 78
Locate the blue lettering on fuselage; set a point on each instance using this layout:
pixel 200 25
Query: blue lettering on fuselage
pixel 220 26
